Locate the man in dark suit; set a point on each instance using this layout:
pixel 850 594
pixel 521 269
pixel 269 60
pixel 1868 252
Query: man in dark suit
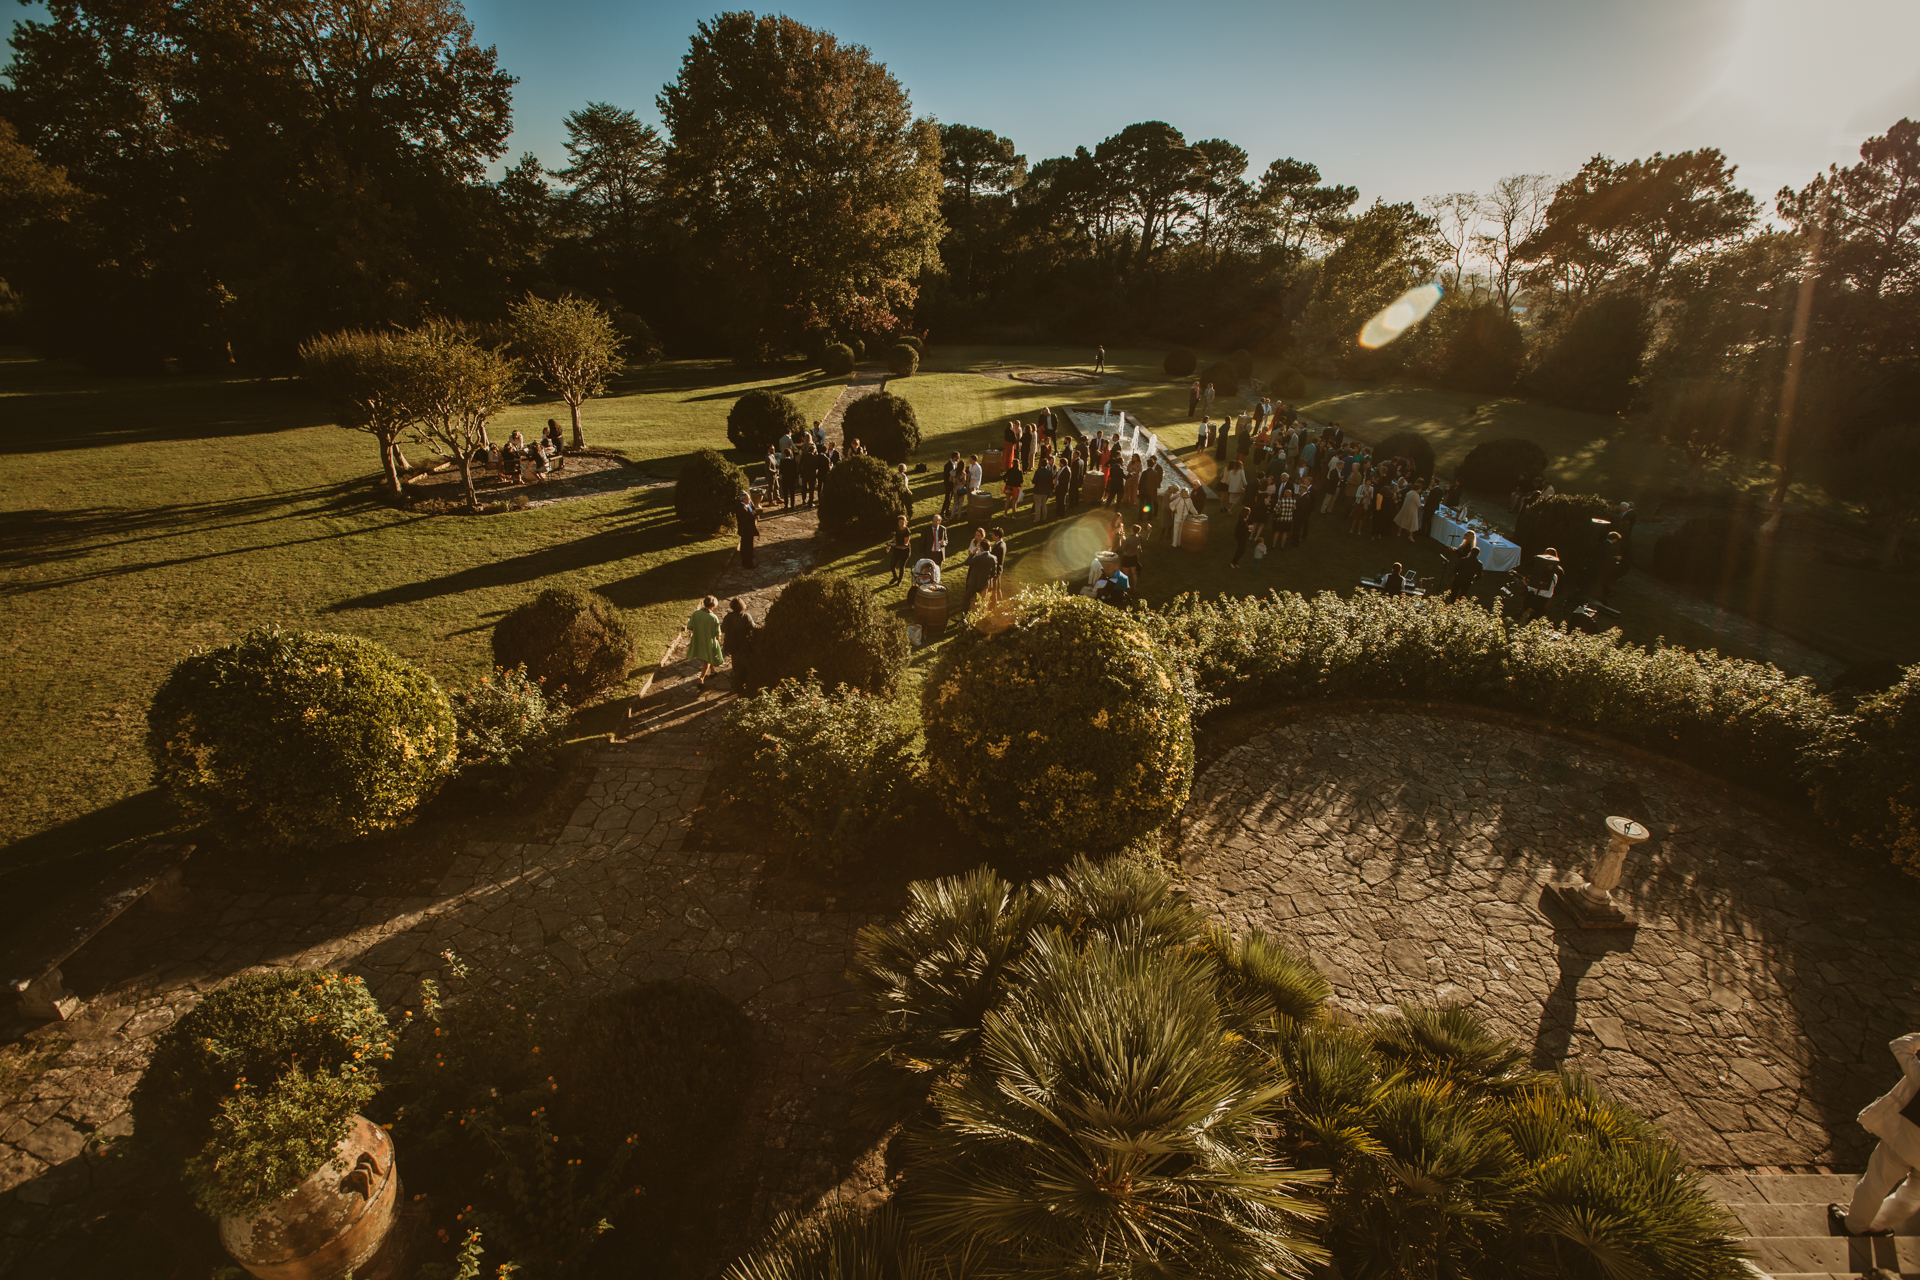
pixel 981 566
pixel 748 522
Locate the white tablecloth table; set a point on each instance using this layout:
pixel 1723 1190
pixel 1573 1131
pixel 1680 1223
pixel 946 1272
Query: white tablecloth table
pixel 1497 555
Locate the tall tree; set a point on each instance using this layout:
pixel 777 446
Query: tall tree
pixel 979 167
pixel 1512 214
pixel 1385 251
pixel 616 169
pixel 1455 215
pixel 570 345
pixel 1151 170
pixel 365 375
pixel 266 170
pixel 450 386
pixel 1638 220
pixel 1868 212
pixel 1292 189
pixel 809 190
pixel 1219 187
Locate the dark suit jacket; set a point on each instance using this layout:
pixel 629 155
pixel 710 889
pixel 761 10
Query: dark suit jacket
pixel 749 523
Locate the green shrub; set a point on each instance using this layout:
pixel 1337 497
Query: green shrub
pixel 243 1039
pixel 1865 774
pixel 832 769
pixel 885 424
pixel 858 347
pixel 1289 383
pixel 1565 522
pixel 1745 720
pixel 706 492
pixel 667 1063
pixel 1181 362
pixel 918 344
pixel 862 500
pixel 903 360
pixel 300 738
pixel 1410 445
pixel 761 417
pixel 573 642
pixel 831 626
pixel 508 726
pixel 265 1142
pixel 1711 551
pixel 1242 361
pixel 1502 466
pixel 837 360
pixel 1032 764
pixel 1224 377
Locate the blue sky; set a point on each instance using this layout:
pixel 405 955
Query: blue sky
pixel 1401 98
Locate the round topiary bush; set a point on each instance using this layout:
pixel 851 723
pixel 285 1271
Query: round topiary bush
pixel 903 360
pixel 1865 774
pixel 1180 362
pixel 1242 360
pixel 862 499
pixel 244 1038
pixel 1410 445
pixel 831 626
pixel 760 417
pixel 1289 383
pixel 885 424
pixel 705 492
pixel 301 738
pixel 668 1063
pixel 1709 551
pixel 1565 522
pixel 1224 377
pixel 837 360
pixel 1500 466
pixel 918 344
pixel 1085 765
pixel 859 348
pixel 573 642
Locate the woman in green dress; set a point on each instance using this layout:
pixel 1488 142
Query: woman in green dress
pixel 705 645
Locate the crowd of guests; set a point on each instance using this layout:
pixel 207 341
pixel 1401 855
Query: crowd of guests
pixel 519 461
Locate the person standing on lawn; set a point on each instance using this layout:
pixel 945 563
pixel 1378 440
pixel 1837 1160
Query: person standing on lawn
pixel 897 548
pixel 1242 536
pixel 1100 361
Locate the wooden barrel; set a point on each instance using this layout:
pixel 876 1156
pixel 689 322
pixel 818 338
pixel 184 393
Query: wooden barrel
pixel 1094 487
pixel 1193 533
pixel 993 465
pixel 930 611
pixel 1109 561
pixel 980 507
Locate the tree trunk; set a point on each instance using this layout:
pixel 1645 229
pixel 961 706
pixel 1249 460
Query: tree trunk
pixel 400 457
pixel 579 440
pixel 1890 549
pixel 465 459
pixel 387 449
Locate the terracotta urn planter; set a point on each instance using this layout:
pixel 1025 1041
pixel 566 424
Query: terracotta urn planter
pixel 333 1223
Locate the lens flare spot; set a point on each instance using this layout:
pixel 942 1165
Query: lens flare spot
pixel 1404 312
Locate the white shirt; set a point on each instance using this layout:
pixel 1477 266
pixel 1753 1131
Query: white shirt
pixel 973 476
pixel 1882 1117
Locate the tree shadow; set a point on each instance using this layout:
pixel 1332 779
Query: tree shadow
pixel 47 535
pixel 97 416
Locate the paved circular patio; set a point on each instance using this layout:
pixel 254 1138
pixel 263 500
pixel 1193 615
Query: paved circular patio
pixel 1406 853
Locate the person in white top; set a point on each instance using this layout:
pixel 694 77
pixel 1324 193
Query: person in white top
pixel 1179 509
pixel 1888 1193
pixel 973 475
pixel 1236 484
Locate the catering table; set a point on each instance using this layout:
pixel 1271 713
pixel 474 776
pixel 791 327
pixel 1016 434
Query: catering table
pixel 1497 555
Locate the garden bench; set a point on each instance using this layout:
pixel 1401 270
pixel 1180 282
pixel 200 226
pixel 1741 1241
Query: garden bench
pixel 33 967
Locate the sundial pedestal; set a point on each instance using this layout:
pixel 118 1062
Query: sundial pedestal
pixel 1591 903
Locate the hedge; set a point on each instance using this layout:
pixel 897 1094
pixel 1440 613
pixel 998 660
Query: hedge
pixel 831 626
pixel 574 642
pixel 1033 763
pixel 1180 362
pixel 1410 445
pixel 706 492
pixel 837 360
pixel 885 423
pixel 1501 466
pixel 1865 773
pixel 903 360
pixel 862 499
pixel 1223 377
pixel 1711 551
pixel 761 417
pixel 300 738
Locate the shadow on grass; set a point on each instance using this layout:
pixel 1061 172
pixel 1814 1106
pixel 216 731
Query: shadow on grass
pixel 152 412
pixel 47 535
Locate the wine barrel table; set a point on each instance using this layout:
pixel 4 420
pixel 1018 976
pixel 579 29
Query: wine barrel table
pixel 980 507
pixel 1193 533
pixel 930 611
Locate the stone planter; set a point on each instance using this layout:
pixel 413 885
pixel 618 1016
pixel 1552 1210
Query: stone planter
pixel 334 1223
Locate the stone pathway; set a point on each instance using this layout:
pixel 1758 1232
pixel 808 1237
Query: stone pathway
pixel 1406 854
pixel 613 900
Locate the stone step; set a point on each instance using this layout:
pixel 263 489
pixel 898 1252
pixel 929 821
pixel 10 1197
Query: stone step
pixel 1781 1188
pixel 1797 1219
pixel 1797 1255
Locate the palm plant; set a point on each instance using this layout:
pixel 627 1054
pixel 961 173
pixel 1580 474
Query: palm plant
pixel 1120 899
pixel 1450 1043
pixel 844 1244
pixel 929 980
pixel 1264 986
pixel 1109 1128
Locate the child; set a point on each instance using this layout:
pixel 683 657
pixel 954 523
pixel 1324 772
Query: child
pixel 1259 552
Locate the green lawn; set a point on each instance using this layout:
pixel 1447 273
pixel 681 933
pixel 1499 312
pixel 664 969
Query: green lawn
pixel 154 515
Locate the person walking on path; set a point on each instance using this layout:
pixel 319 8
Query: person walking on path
pixel 897 547
pixel 704 648
pixel 736 630
pixel 747 521
pixel 1888 1193
pixel 1242 536
pixel 1100 361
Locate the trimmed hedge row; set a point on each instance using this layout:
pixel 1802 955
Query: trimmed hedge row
pixel 1747 721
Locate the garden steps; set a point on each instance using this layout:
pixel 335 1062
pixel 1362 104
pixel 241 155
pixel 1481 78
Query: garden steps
pixel 1786 1218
